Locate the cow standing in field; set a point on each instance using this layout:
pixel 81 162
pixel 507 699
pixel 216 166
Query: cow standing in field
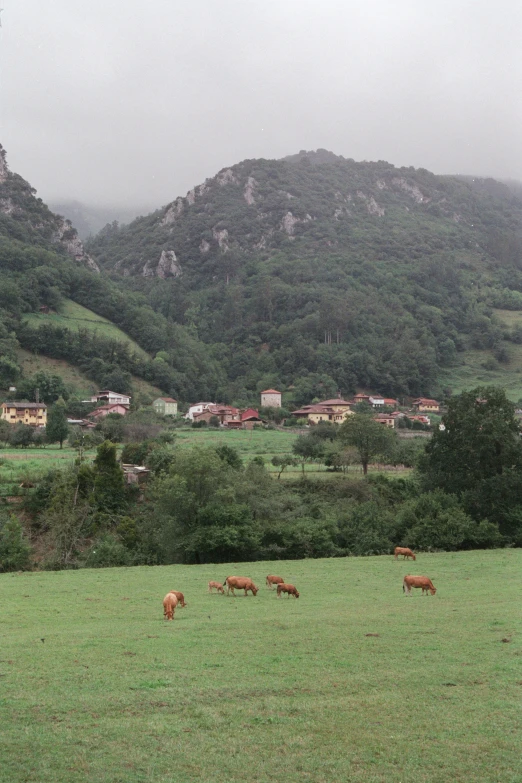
pixel 240 583
pixel 217 585
pixel 274 580
pixel 169 606
pixel 288 589
pixel 180 597
pixel 418 581
pixel 404 551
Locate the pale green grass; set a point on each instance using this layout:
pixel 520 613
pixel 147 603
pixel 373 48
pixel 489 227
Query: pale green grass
pixel 95 686
pixel 74 316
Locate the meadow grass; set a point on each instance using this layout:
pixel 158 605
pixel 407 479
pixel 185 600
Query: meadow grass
pixel 97 686
pixel 74 316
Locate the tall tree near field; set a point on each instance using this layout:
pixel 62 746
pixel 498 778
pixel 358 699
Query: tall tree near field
pixel 367 436
pixel 57 428
pixel 109 485
pixel 480 441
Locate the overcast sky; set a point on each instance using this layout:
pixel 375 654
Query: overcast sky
pixel 132 102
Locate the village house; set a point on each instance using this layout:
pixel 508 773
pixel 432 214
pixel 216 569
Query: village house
pixel 250 418
pixel 104 410
pixel 361 398
pixel 135 474
pixel 339 405
pixel 314 414
pixel 425 405
pixel 391 403
pixel 198 407
pixel 270 398
pixel 224 413
pixel 111 398
pixel 376 401
pixel 32 413
pixel 386 419
pixel 165 406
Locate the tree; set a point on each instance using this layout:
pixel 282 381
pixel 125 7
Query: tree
pixel 57 428
pixel 308 449
pixel 368 436
pixel 21 435
pixel 109 486
pixel 283 462
pixel 14 549
pixel 480 440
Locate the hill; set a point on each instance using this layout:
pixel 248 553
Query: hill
pixel 55 303
pixel 319 273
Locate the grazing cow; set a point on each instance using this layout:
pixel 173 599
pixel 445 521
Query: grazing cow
pixel 403 550
pixel 180 597
pixel 217 585
pixel 274 580
pixel 288 589
pixel 169 606
pixel 240 583
pixel 418 581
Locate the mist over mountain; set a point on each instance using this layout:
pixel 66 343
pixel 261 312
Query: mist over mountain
pixel 89 219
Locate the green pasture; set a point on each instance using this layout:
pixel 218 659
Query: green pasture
pixel 17 465
pixel 353 681
pixel 74 316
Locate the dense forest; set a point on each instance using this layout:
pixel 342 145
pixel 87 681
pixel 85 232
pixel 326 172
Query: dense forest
pixel 314 273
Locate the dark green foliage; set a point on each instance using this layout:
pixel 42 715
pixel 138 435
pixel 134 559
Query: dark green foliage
pixel 108 494
pixel 21 435
pixel 230 455
pixel 367 437
pixel 49 387
pixel 111 427
pixel 480 440
pixel 57 428
pixel 107 552
pixel 15 552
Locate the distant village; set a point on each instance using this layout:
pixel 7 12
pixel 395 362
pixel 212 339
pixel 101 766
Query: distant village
pixel 335 411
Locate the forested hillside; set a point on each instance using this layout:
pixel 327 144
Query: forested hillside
pixel 314 273
pixel 43 266
pixel 320 273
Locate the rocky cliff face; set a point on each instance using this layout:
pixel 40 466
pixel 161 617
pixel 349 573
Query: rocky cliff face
pixel 314 201
pixel 21 208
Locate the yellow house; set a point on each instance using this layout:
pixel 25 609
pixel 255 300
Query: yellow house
pixel 32 413
pixel 322 412
pixel 424 405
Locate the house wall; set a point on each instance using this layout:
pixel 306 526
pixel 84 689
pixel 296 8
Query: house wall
pixel 34 417
pixel 270 400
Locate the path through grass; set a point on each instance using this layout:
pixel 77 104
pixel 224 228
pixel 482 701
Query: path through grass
pixel 96 686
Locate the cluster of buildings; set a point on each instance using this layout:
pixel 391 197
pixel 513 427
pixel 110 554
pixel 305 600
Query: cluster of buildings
pixel 335 410
pixel 225 415
pixel 338 410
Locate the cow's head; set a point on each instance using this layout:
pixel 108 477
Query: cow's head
pixel 433 590
pixel 296 593
pixel 255 589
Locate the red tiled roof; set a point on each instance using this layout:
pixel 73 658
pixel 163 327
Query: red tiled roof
pixel 167 399
pixel 337 401
pixel 250 413
pixel 424 401
pixel 270 391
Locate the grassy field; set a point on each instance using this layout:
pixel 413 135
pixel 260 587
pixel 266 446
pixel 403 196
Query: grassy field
pixel 472 373
pixel 17 465
pixel 74 316
pixel 352 681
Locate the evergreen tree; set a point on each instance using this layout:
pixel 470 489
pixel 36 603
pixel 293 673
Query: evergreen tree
pixel 57 428
pixel 109 485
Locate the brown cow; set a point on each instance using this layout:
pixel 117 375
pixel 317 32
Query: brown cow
pixel 169 606
pixel 180 597
pixel 418 581
pixel 217 585
pixel 288 589
pixel 274 580
pixel 240 583
pixel 403 550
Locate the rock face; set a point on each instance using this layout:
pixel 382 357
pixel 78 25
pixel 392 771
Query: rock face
pixel 4 171
pixel 167 266
pixel 18 201
pixel 67 236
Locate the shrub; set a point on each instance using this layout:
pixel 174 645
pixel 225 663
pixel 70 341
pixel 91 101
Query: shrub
pixel 15 552
pixel 108 552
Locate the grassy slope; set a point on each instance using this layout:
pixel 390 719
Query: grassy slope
pixel 471 372
pixel 74 316
pixel 263 689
